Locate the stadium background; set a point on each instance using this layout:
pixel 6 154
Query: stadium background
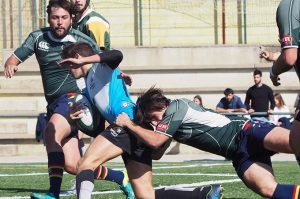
pixel 158 22
pixel 186 47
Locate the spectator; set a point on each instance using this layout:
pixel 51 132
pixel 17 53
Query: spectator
pixel 280 107
pixel 259 97
pixel 198 100
pixel 230 103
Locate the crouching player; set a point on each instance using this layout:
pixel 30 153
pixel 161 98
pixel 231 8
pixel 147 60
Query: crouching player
pixel 109 94
pixel 248 144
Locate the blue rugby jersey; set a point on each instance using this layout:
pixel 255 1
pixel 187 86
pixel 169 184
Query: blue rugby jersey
pixel 108 92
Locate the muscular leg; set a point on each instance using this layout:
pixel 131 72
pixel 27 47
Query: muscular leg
pixel 295 137
pixel 57 130
pixel 278 140
pixel 72 154
pixel 100 151
pixel 259 178
pixel 141 179
pixel 140 176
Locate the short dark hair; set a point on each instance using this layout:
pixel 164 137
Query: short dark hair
pixel 228 91
pixel 148 102
pixel 257 72
pixel 65 4
pixel 81 48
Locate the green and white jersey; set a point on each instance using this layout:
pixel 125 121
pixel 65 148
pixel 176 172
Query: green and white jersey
pixel 47 49
pixel 202 128
pixel 95 26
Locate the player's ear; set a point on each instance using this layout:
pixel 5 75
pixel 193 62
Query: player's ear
pixel 77 56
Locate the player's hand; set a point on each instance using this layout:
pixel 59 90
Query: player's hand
pixel 275 80
pixel 127 78
pixel 76 112
pixel 123 120
pixel 265 54
pixel 10 70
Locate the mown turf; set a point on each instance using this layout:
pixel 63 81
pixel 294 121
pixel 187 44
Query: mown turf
pixel 286 172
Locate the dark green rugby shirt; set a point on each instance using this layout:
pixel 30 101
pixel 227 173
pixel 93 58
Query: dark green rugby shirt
pixel 202 128
pixel 47 49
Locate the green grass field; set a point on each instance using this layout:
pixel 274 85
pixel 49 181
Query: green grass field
pixel 19 180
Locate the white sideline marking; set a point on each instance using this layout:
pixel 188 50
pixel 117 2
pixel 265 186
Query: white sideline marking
pixel 158 174
pixel 157 167
pixel 23 174
pixel 196 174
pixel 169 186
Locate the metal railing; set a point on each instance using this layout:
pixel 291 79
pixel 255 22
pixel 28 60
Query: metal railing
pixel 33 115
pixel 259 113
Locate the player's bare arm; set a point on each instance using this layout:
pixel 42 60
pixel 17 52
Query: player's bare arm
pixel 269 56
pixel 11 66
pixel 78 61
pixel 284 63
pixel 150 138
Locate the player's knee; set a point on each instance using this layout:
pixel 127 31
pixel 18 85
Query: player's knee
pixel 145 194
pixel 84 164
pixel 267 190
pixel 71 168
pixel 143 190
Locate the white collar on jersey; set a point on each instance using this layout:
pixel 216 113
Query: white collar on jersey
pixel 67 38
pixel 85 14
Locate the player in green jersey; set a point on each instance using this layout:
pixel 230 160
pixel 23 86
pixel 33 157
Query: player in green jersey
pixel 95 26
pixel 91 23
pixel 288 23
pixel 249 144
pixel 61 138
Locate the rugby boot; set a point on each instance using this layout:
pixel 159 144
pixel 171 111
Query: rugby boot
pixel 126 186
pixel 42 196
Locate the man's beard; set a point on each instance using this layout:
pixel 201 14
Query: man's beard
pixel 77 10
pixel 63 35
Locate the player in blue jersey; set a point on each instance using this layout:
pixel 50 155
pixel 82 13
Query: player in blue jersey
pixel 109 94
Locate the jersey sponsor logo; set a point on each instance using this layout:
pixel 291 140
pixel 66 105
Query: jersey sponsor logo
pixel 115 131
pixel 286 40
pixel 162 126
pixel 43 46
pixel 125 104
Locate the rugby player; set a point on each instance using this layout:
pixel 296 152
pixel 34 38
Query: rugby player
pixel 249 144
pixel 60 137
pixel 109 94
pixel 287 18
pixel 95 26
